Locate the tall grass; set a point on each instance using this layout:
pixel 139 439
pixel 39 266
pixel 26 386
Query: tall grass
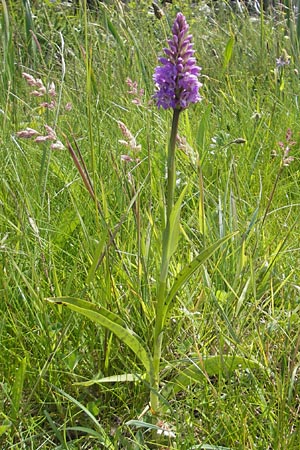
pixel 244 301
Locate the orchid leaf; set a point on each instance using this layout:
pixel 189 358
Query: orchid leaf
pixel 188 271
pixel 17 390
pixel 122 378
pixel 110 321
pixel 228 52
pixel 199 370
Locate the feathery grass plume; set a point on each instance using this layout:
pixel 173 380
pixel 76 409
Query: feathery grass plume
pixel 286 158
pixel 177 79
pixel 42 91
pixel 130 140
pixel 135 91
pixel 28 133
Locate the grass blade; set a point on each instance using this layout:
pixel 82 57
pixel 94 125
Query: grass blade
pixel 104 439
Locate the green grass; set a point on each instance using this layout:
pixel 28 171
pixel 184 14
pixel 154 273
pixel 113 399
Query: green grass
pixel 244 301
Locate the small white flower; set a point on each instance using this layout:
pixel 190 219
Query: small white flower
pixel 164 429
pixel 168 433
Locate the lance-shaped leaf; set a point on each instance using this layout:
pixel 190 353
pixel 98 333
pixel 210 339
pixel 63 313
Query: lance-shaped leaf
pixel 112 322
pixel 121 378
pixel 188 271
pixel 199 370
pixel 17 390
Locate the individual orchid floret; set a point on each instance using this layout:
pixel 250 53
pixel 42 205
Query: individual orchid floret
pixel 27 133
pixel 68 106
pixel 176 79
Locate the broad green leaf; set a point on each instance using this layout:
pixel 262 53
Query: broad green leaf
pixel 208 367
pixel 86 430
pixel 124 377
pixel 4 428
pixel 17 389
pixel 228 52
pixel 188 271
pixel 110 321
pixel 67 301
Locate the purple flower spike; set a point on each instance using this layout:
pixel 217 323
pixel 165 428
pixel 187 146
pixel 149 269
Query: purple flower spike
pixel 177 78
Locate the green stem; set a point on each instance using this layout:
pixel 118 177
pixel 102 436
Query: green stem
pixel 161 293
pixel 171 164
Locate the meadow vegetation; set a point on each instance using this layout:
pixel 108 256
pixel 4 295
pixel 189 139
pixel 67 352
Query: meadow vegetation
pixel 237 158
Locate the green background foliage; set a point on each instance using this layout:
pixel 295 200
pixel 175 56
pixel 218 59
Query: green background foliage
pixel 245 299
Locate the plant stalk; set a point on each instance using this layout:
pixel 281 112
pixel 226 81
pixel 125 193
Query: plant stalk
pixel 161 292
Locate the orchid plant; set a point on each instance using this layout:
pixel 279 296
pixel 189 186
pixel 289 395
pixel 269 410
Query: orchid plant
pixel 177 87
